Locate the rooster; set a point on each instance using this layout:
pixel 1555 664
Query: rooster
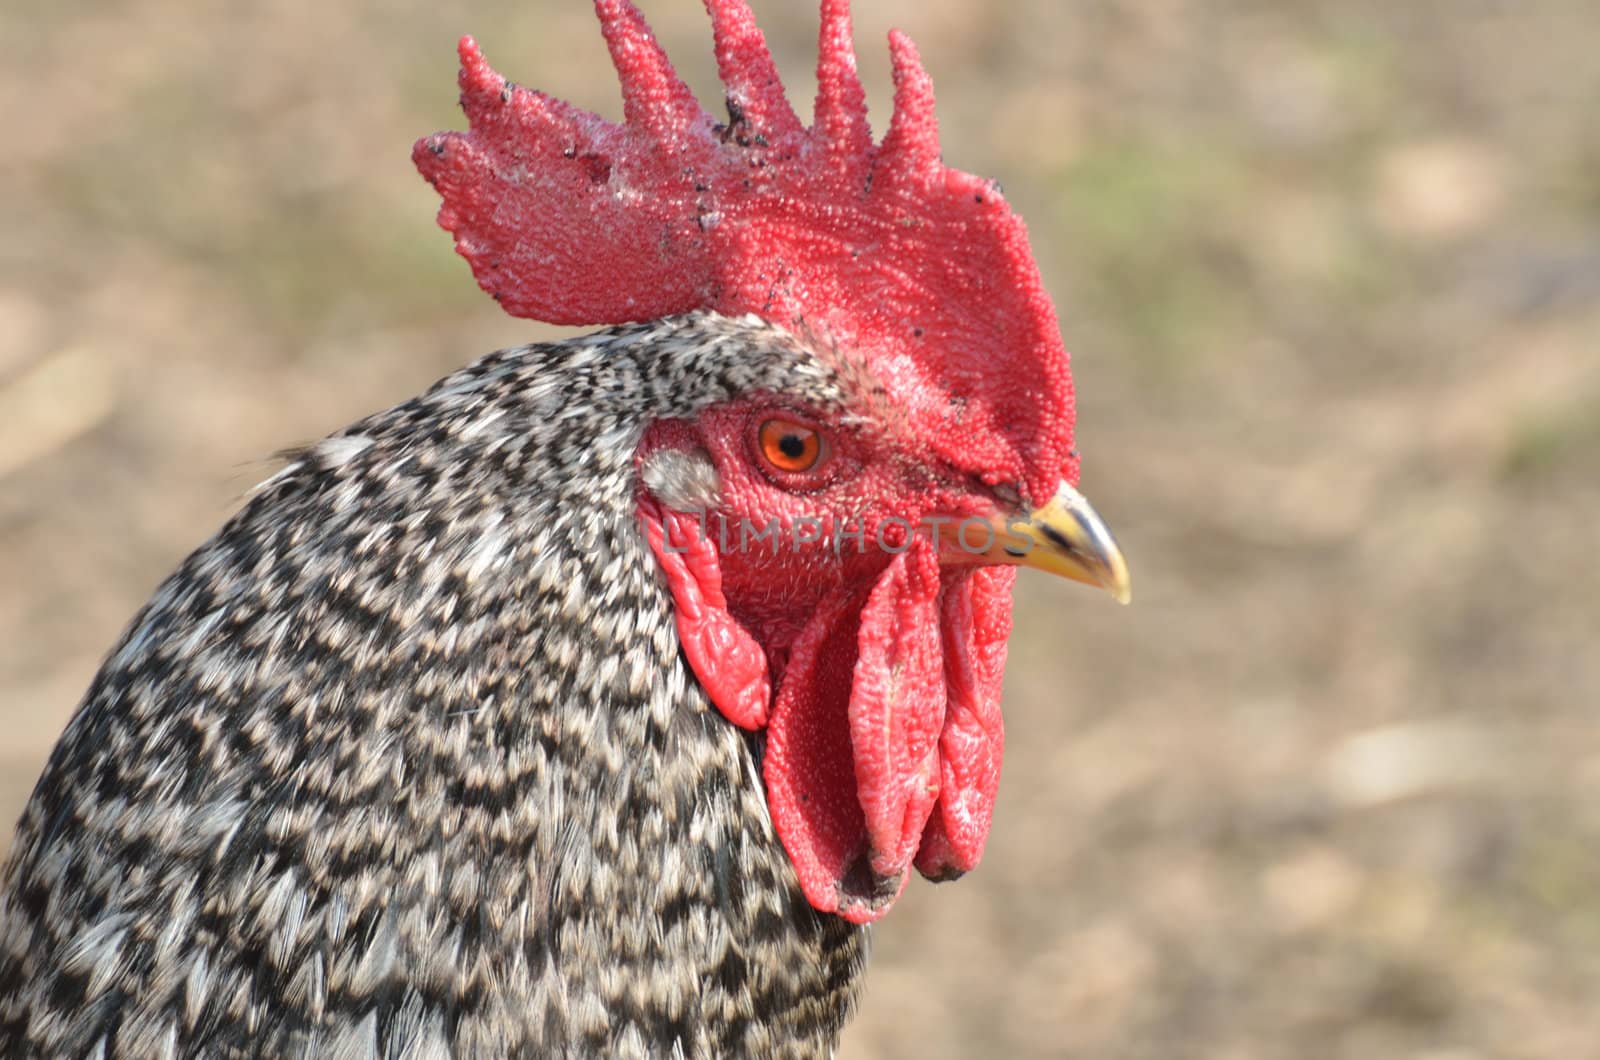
pixel 593 702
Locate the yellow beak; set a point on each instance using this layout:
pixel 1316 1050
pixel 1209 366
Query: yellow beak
pixel 1064 536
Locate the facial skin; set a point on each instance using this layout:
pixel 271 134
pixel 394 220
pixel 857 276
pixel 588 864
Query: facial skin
pixel 839 522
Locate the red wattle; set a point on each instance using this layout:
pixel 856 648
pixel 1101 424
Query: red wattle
pixel 976 620
pixel 885 737
pixel 810 772
pixel 897 707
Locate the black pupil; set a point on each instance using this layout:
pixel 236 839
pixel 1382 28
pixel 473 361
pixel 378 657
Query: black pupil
pixel 792 446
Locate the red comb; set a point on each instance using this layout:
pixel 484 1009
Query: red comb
pixel 921 272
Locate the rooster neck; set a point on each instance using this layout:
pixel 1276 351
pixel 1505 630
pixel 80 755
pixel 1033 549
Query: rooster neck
pixel 407 753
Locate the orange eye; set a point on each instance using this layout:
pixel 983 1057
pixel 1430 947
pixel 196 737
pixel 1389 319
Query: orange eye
pixel 789 446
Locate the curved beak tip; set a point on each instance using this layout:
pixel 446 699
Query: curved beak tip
pixel 1119 585
pixel 1066 537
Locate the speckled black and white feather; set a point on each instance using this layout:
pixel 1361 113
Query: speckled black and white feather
pixel 405 761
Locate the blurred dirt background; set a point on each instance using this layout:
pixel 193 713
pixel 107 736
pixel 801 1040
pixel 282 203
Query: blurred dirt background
pixel 1331 273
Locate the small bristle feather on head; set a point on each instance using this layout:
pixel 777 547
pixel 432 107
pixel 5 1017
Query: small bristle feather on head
pixel 919 271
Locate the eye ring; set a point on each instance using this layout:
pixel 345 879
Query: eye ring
pixel 789 447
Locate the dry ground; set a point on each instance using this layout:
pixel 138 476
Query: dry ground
pixel 1331 270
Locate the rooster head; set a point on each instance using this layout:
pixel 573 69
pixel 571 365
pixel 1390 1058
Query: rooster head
pixel 840 552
